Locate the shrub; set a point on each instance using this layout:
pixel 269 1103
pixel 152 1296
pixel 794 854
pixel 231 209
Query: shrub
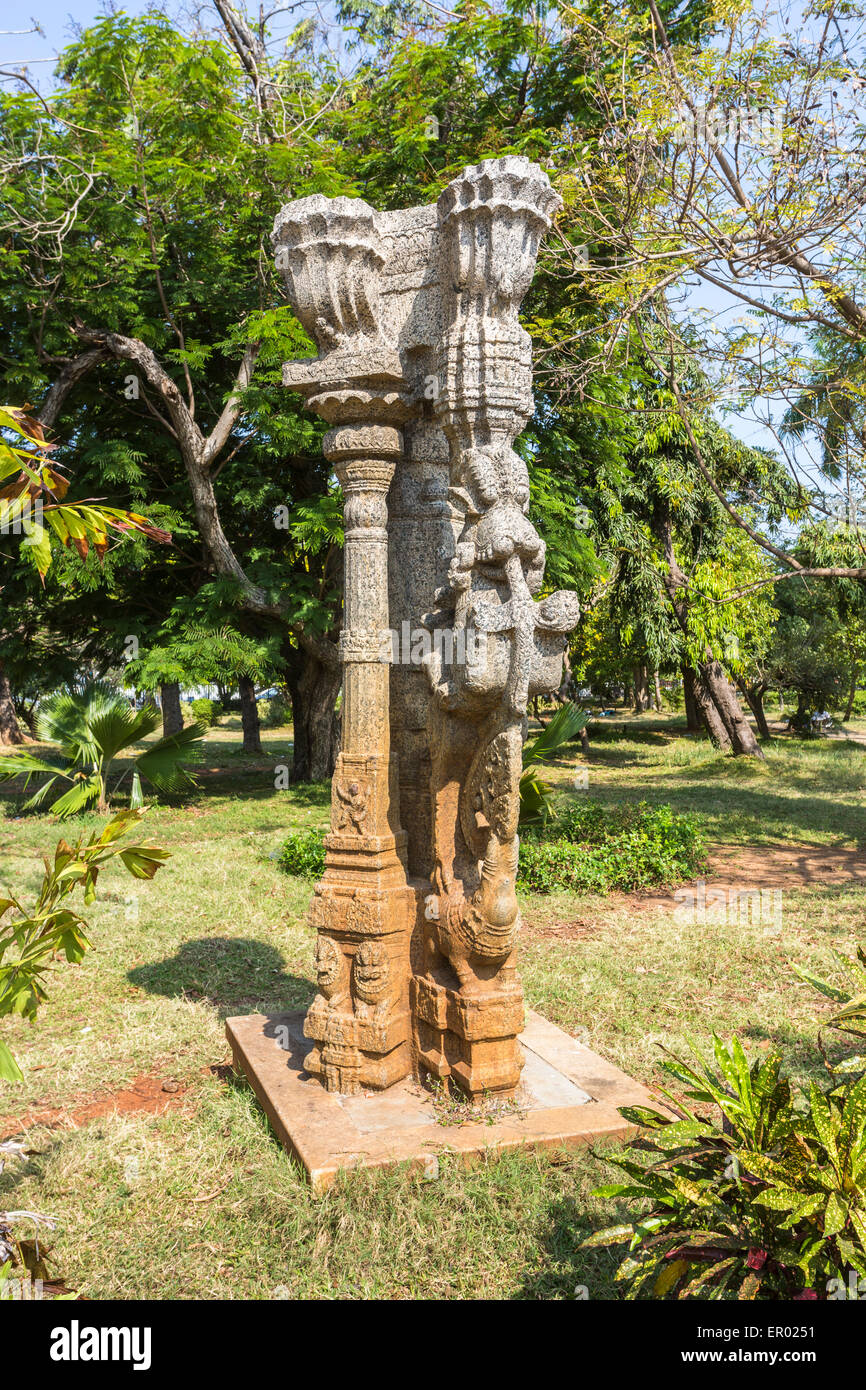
pixel 207 712
pixel 772 1204
pixel 599 848
pixel 273 714
pixel 302 853
pixel 93 727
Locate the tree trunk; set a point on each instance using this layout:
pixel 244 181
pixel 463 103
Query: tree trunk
pixel 715 696
pixel 313 689
pixel 741 737
pixel 711 718
pixel 9 730
pixel 657 690
pixel 756 704
pixel 172 718
pixel 849 708
pixel 250 716
pixel 754 697
pixel 693 714
pixel 641 689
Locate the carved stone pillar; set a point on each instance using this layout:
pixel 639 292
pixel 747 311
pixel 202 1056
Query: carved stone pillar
pixel 415 315
pixel 424 376
pixel 467 1001
pixel 362 909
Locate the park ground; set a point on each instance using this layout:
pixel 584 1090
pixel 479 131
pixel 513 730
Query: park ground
pixel 159 1167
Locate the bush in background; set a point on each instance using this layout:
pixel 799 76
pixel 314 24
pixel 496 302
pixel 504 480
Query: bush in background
pixel 303 854
pixel 207 712
pixel 598 848
pixel 273 714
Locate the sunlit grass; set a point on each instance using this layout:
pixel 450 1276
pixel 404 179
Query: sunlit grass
pixel 202 1202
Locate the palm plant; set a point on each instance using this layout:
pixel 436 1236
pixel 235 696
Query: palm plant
pixel 536 794
pixel 93 727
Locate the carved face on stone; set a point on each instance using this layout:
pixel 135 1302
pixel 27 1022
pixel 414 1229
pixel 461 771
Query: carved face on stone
pixel 329 962
pixel 371 970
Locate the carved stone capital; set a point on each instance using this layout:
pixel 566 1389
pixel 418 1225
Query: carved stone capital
pixel 330 254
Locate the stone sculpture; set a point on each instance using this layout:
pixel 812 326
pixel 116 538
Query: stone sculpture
pixel 424 375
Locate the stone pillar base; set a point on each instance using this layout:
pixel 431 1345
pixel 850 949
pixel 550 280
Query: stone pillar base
pixel 370 1053
pixel 363 913
pixel 567 1096
pixel 471 1040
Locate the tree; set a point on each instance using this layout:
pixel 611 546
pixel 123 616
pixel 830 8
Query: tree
pixel 196 654
pixel 732 162
pixel 163 270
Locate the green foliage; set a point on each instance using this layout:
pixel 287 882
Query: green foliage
pixel 37 494
pixel 32 936
pixel 198 654
pixel 207 712
pixel 273 714
pixel 771 1205
pixel 850 1015
pixel 303 854
pixel 599 848
pixel 817 647
pixel 93 727
pixel 536 795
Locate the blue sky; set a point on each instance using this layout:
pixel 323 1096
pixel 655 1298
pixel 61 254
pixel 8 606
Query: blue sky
pixel 58 19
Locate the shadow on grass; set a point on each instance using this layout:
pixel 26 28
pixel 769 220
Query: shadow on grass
pixel 234 975
pixel 813 816
pixel 657 735
pixel 303 794
pixel 569 1272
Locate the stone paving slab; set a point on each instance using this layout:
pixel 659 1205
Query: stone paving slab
pixel 568 1096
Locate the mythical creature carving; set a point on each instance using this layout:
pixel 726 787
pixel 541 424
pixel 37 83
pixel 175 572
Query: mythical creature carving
pixel 491 217
pixel 331 973
pixel 372 976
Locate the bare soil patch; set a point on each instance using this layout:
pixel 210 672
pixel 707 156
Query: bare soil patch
pixel 151 1094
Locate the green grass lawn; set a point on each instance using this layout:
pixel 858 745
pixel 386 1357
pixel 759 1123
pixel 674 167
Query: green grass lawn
pixel 201 1202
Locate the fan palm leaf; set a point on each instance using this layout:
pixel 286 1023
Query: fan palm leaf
pixel 28 766
pixel 161 763
pixel 536 795
pixel 118 728
pixel 66 718
pixel 83 792
pixel 93 727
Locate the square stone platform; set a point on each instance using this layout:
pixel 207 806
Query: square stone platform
pixel 568 1096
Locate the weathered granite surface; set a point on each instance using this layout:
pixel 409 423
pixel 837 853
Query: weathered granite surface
pixel 424 374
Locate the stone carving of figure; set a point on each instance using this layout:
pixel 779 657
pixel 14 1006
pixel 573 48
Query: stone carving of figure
pixel 352 811
pixel 330 972
pixel 371 979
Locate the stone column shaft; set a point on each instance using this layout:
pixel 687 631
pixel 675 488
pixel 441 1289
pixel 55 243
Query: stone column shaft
pixel 363 907
pixel 365 642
